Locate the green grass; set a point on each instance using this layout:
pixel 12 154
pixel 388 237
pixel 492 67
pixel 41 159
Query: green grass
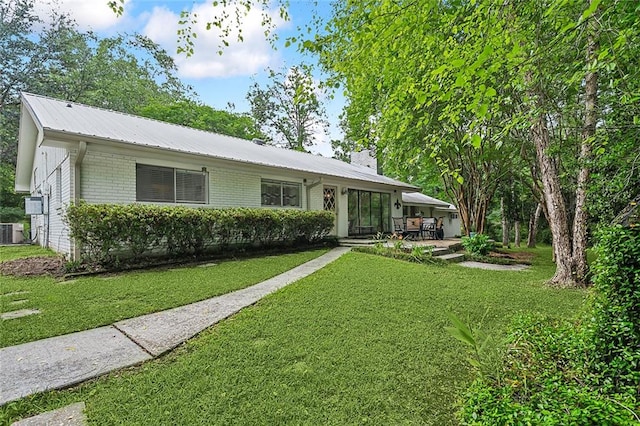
pixel 22 251
pixel 360 341
pixel 89 302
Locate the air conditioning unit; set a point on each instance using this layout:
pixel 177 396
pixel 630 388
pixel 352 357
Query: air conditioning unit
pixel 11 233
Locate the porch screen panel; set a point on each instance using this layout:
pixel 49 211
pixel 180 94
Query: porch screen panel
pixel 352 210
pixel 365 208
pixel 385 204
pixel 376 213
pixel 368 208
pixel 154 183
pixel 191 187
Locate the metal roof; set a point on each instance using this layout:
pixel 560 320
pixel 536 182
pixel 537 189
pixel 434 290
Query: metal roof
pixel 421 199
pixel 78 121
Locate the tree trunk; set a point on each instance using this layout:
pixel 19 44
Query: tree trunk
pixel 558 220
pixel 533 226
pixel 517 233
pixel 505 224
pixel 588 133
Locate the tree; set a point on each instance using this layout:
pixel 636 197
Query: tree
pixel 193 114
pixel 228 19
pixel 388 59
pixel 439 78
pixel 122 73
pixel 289 108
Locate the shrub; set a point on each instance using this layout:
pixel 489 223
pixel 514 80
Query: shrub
pixel 418 255
pixel 109 233
pixel 615 322
pixel 544 381
pixel 478 244
pixel 585 371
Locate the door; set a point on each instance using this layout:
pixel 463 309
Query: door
pixel 329 203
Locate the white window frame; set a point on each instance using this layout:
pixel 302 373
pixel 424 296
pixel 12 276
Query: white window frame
pixel 282 184
pixel 174 200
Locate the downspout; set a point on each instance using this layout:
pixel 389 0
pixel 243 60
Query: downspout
pixel 309 187
pixel 82 150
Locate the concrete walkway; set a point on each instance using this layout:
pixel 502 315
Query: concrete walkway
pixel 62 361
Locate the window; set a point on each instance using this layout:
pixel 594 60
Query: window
pixel 169 185
pixel 281 194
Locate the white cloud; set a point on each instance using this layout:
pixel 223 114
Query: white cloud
pixel 93 15
pixel 239 58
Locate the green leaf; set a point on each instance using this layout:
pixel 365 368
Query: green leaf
pixel 476 141
pixel 460 330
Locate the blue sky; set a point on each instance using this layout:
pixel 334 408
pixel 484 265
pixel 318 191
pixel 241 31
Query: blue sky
pixel 218 79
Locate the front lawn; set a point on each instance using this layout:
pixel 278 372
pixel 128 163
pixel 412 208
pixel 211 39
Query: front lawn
pixel 360 341
pixel 22 251
pixel 90 302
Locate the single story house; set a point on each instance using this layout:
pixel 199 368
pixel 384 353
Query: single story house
pixel 417 204
pixel 69 152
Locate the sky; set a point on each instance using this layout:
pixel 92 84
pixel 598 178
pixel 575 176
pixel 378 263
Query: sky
pixel 219 80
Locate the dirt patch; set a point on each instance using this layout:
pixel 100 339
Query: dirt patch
pixel 518 256
pixel 33 266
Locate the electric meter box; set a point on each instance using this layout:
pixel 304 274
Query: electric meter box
pixel 33 205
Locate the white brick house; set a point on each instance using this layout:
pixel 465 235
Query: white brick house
pixel 69 152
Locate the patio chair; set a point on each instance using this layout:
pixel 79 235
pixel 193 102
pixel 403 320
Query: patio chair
pixel 413 228
pixel 429 228
pixel 398 225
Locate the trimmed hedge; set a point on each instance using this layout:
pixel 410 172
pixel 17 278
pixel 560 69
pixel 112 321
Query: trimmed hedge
pixel 110 233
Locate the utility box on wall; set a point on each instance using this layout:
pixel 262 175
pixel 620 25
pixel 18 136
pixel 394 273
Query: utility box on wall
pixel 33 205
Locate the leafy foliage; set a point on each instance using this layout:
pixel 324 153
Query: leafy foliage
pixel 615 326
pixel 289 108
pixel 398 251
pixel 108 233
pixel 54 58
pixel 478 244
pixel 193 114
pixel 584 371
pixel 11 204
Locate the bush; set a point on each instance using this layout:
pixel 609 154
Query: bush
pixel 109 233
pixel 545 381
pixel 478 244
pixel 574 372
pixel 12 214
pixel 615 322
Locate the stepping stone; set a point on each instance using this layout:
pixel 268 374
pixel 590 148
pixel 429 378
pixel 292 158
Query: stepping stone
pixel 206 265
pixel 16 293
pixel 19 314
pixel 453 257
pixel 493 267
pixel 19 302
pixel 71 415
